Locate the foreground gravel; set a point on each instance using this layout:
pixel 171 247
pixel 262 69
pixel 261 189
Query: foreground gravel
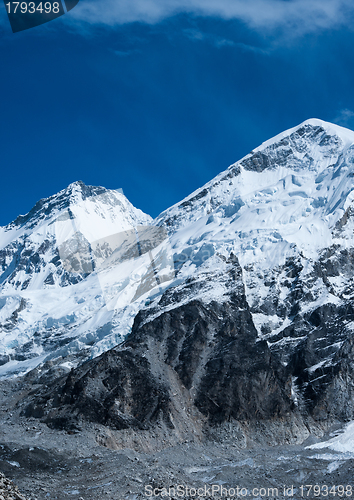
pixel 87 465
pixel 8 491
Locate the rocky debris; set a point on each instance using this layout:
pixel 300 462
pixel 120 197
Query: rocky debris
pixel 9 491
pixel 89 468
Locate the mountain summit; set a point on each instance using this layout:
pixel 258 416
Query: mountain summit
pixel 45 295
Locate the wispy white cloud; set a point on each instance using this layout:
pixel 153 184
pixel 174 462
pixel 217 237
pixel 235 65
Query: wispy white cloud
pixel 299 16
pixel 345 117
pixel 199 36
pixel 220 42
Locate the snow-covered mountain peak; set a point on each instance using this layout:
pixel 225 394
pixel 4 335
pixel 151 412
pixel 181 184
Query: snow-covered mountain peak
pixel 290 200
pixel 77 213
pixel 45 208
pixel 310 128
pixel 67 267
pixel 77 196
pixel 298 185
pixel 286 212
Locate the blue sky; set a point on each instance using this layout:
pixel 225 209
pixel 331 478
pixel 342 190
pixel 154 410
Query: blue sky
pixel 158 96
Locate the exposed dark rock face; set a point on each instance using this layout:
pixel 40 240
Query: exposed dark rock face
pixel 116 391
pixel 336 399
pixel 284 152
pixel 211 353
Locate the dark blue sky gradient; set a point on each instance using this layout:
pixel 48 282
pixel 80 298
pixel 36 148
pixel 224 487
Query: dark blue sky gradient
pixel 156 110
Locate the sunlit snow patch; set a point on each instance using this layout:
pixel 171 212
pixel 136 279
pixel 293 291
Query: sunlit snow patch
pixel 344 442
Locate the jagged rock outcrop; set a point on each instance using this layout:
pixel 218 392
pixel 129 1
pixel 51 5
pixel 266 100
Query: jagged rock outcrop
pixel 9 491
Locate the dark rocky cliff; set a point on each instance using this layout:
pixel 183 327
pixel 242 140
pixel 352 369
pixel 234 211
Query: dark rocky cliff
pixel 208 355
